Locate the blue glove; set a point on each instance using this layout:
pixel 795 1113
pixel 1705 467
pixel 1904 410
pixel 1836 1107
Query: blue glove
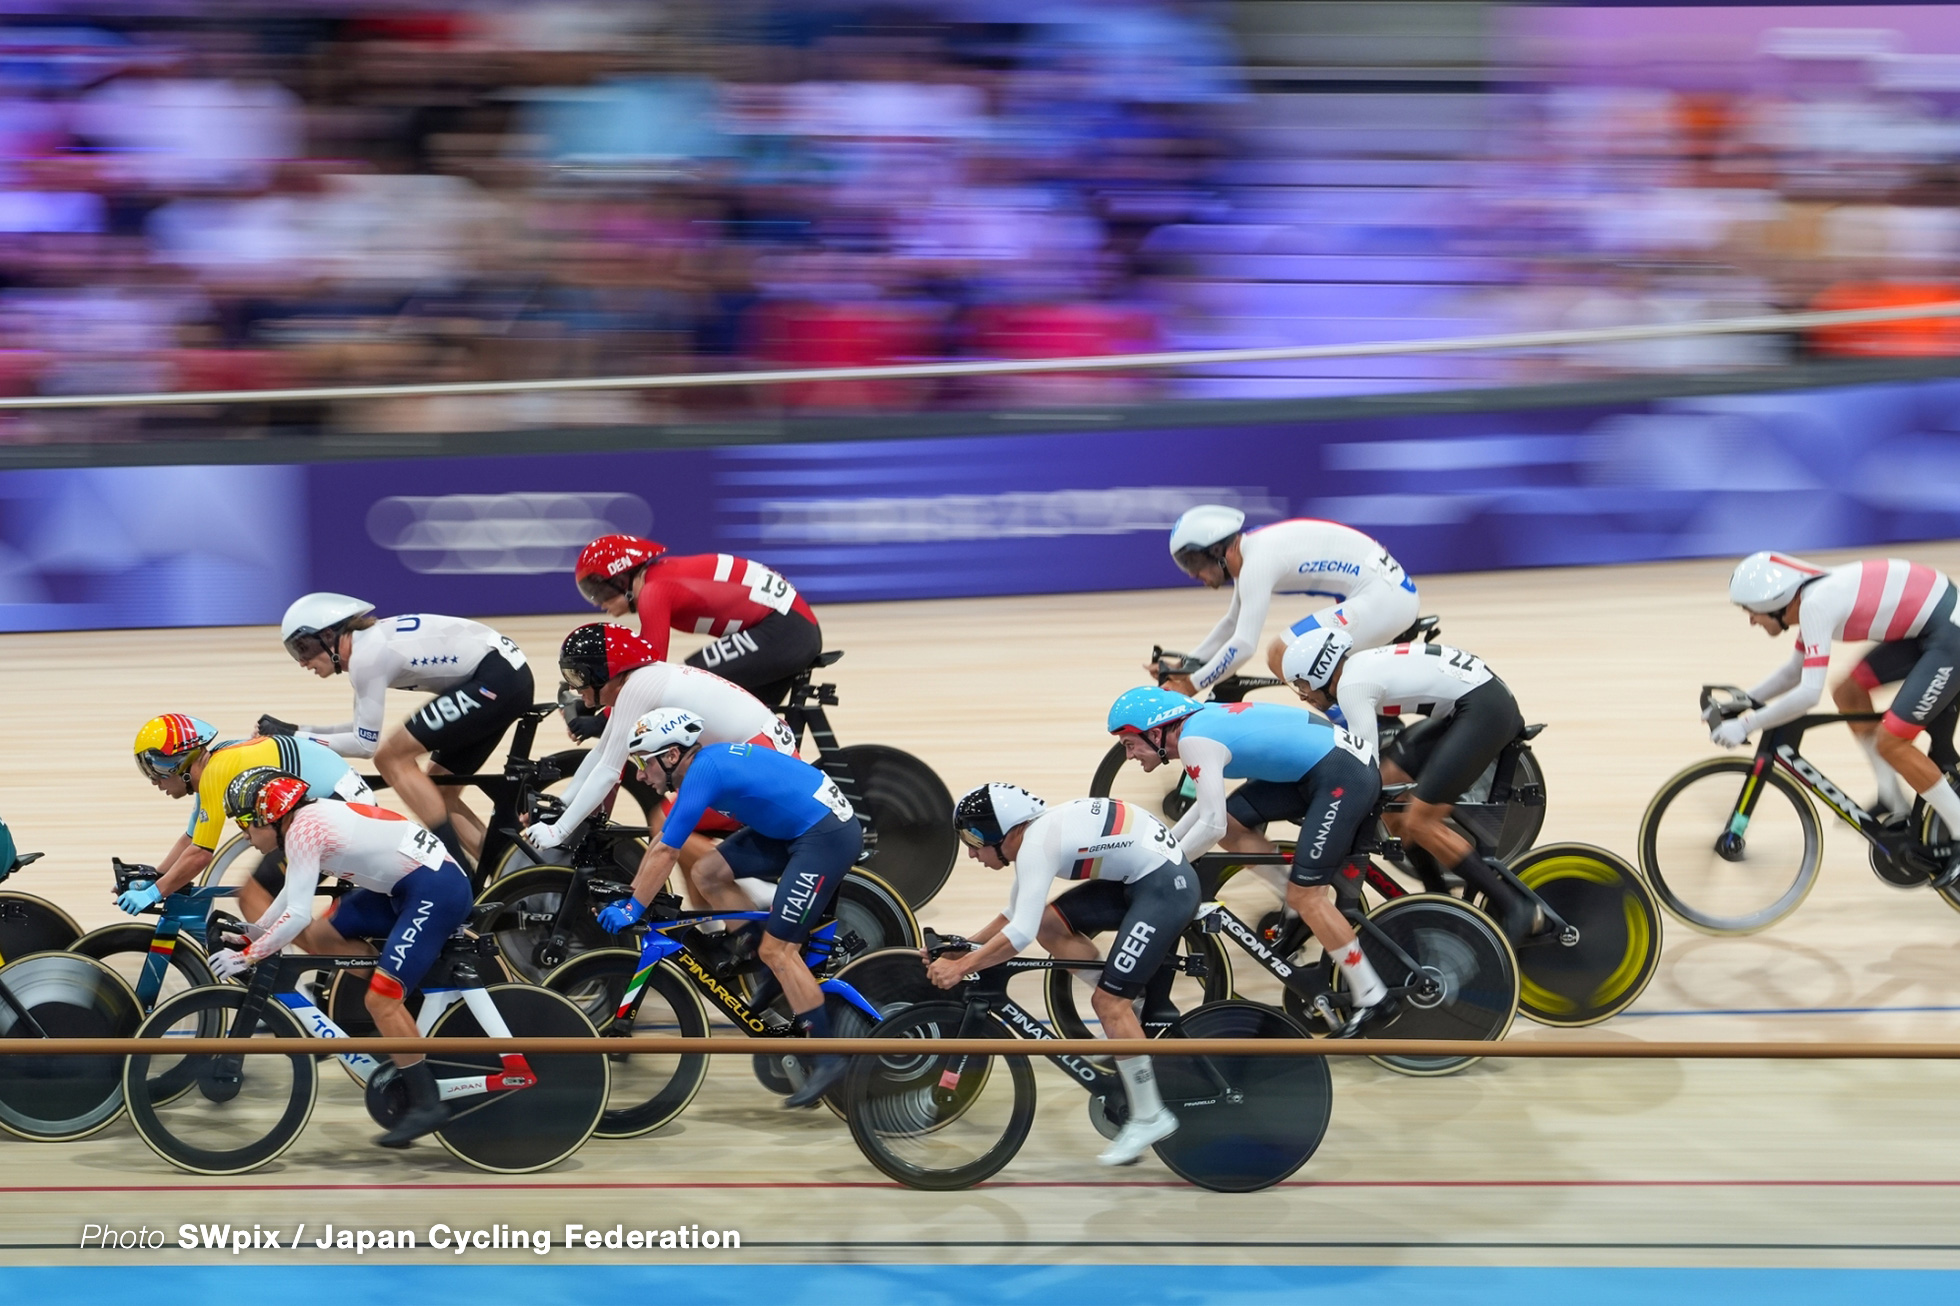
pixel 621 915
pixel 139 896
pixel 1337 716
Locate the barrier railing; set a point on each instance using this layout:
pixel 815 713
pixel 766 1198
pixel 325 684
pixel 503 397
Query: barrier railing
pixel 1762 324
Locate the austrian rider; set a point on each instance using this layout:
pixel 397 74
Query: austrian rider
pixel 797 831
pixel 406 888
pixel 1136 881
pixel 1471 718
pixel 1296 767
pixel 764 633
pixel 1885 599
pixel 1373 598
pixel 479 678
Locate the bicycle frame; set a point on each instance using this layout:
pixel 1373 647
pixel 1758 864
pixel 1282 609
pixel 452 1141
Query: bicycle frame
pixel 803 710
pixel 659 946
pixel 1778 747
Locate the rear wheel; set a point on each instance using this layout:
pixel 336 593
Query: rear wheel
pixel 526 927
pixel 1243 1123
pixel 1619 944
pixel 646 1090
pixel 55 1098
pixel 908 807
pixel 29 924
pixel 532 1128
pixel 871 916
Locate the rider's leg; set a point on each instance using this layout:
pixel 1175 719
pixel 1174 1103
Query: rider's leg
pixel 399 761
pixel 1157 907
pixel 1853 694
pixel 1926 691
pixel 1069 923
pixel 813 866
pixel 1315 905
pixel 468 826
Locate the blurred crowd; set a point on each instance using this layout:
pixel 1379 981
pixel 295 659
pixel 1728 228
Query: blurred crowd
pixel 319 194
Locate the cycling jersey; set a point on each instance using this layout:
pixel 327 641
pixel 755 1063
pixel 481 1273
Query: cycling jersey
pixel 710 594
pixel 325 772
pixel 1879 599
pixel 772 793
pixel 371 847
pixel 1305 556
pixel 1248 741
pixel 1088 839
pixel 418 651
pixel 1404 678
pixel 729 715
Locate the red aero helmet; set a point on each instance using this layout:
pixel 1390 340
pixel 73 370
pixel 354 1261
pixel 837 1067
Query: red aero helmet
pixel 606 566
pixel 595 653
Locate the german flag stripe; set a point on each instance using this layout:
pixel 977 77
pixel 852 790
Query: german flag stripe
pixel 1115 821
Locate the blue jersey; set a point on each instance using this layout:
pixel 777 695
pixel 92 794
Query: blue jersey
pixel 770 792
pixel 1268 741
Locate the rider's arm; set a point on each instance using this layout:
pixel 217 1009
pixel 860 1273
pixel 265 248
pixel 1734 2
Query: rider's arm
pixel 598 775
pixel 691 801
pixel 184 864
pixel 1252 597
pixel 1204 824
pixel 1813 663
pixel 361 736
pixel 655 867
pixel 1222 631
pixel 656 615
pixel 1360 700
pixel 1783 679
pixel 292 910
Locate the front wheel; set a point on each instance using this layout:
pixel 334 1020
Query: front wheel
pixel 1243 1123
pixel 871 916
pixel 1619 943
pixel 127 947
pixel 56 1098
pixel 909 809
pixel 646 1090
pixel 532 1128
pixel 1728 849
pixel 938 1122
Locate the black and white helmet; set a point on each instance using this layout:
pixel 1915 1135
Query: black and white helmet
pixel 662 729
pixel 987 815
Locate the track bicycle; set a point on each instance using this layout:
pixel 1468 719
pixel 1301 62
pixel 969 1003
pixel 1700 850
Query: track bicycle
pixel 1733 844
pixel 29 923
pixel 510 1113
pixel 939 1122
pixel 62 994
pixel 667 985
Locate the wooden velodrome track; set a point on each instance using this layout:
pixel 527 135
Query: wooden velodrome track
pixel 1598 1162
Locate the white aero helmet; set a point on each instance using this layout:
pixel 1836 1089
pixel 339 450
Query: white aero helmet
pixel 662 729
pixel 304 630
pixel 1314 655
pixel 985 816
pixel 1767 582
pixel 1202 529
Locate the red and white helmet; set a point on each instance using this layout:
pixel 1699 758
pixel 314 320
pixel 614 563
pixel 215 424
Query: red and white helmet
pixel 606 566
pixel 1768 582
pixel 596 653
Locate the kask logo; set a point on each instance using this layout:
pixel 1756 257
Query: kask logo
pixel 500 534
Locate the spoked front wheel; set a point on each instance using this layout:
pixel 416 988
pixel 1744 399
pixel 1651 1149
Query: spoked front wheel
pixel 939 1122
pixel 223 1114
pixel 646 1090
pixel 1619 943
pixel 530 1128
pixel 55 1098
pixel 1729 850
pixel 1247 1122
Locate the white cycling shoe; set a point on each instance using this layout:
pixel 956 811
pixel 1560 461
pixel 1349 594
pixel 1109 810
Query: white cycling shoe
pixel 1136 1137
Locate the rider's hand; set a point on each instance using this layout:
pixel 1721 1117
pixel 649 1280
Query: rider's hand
pixel 948 972
pixel 1731 732
pixel 139 897
pixel 1181 685
pixel 585 727
pixel 543 836
pixel 272 725
pixel 229 963
pixel 621 915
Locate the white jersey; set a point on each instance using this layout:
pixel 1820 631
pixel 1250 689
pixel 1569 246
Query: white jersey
pixel 1301 556
pixel 729 715
pixel 1088 839
pixel 1880 599
pixel 413 651
pixel 1404 678
pixel 371 847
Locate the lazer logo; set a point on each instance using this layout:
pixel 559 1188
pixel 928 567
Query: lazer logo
pixel 1255 945
pixel 1133 945
pixel 1836 797
pixel 1930 699
pixel 736 1007
pixel 728 648
pixel 1326 827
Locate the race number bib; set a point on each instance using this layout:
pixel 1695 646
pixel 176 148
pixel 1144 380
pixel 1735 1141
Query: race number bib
pixel 1347 743
pixel 507 646
pixel 421 846
pixel 769 590
pixel 832 797
pixel 1462 666
pixel 785 737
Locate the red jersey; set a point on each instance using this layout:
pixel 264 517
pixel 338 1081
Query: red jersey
pixel 711 594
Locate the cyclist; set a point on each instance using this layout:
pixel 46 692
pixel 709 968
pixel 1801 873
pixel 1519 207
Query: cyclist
pixel 178 754
pixel 613 669
pixel 797 830
pixel 765 633
pixel 1885 599
pixel 1472 716
pixel 479 678
pixel 1297 767
pixel 406 888
pixel 1138 883
pixel 1374 599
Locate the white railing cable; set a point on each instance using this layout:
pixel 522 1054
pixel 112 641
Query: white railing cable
pixel 1014 367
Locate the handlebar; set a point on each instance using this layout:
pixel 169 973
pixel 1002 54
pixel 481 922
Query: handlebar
pixel 938 945
pixel 1721 702
pixel 130 873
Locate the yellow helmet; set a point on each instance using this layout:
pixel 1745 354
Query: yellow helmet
pixel 167 745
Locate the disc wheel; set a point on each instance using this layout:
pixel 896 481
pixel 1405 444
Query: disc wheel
pixel 646 1090
pixel 872 916
pixel 524 928
pixel 1619 946
pixel 1718 870
pixel 1067 990
pixel 1514 827
pixel 937 1122
pixel 29 924
pixel 532 1128
pixel 891 979
pixel 909 809
pixel 226 1114
pixel 55 1098
pixel 1243 1123
pixel 126 948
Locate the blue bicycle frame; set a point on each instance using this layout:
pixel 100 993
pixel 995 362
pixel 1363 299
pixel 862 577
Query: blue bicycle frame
pixel 658 946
